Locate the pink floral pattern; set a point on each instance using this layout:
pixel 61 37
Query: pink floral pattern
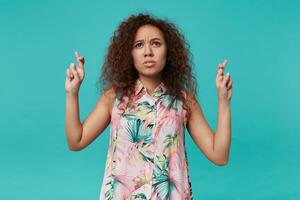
pixel 146 158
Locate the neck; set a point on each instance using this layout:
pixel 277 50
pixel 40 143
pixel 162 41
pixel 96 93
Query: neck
pixel 150 83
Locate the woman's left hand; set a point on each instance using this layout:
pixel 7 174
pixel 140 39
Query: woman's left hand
pixel 224 83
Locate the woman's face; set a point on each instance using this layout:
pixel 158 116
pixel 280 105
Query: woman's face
pixel 149 51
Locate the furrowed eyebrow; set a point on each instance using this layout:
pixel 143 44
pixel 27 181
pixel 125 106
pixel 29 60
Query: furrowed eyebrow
pixel 150 40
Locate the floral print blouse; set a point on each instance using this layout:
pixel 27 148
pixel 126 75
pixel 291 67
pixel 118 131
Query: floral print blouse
pixel 146 157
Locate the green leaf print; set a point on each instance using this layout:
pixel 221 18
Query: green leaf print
pixel 134 130
pixel 109 194
pixel 142 106
pixel 130 116
pixel 146 152
pixel 169 102
pixel 139 196
pixel 141 139
pixel 170 140
pixel 161 181
pixel 146 106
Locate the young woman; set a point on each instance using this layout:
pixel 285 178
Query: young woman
pixel 148 99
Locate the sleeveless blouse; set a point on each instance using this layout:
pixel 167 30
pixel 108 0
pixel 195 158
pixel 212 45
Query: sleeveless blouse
pixel 146 158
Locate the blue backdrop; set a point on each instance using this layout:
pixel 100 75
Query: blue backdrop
pixel 260 39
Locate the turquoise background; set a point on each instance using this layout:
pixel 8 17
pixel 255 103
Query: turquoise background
pixel 260 39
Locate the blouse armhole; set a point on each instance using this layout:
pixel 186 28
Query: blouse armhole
pixel 184 111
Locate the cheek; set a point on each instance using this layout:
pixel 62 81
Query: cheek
pixel 136 56
pixel 162 55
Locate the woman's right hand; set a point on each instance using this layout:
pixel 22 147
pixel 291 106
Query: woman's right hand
pixel 75 75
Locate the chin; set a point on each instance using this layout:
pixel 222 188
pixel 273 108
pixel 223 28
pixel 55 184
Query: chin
pixel 150 73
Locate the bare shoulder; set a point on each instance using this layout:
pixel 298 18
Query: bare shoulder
pixel 108 97
pixel 191 99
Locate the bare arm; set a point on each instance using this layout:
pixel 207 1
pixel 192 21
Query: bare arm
pixel 73 125
pixel 222 138
pixel 80 135
pixel 215 146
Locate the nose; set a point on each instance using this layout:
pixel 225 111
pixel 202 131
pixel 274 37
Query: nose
pixel 148 51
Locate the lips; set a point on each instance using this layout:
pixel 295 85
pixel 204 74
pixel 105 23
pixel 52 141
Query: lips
pixel 149 61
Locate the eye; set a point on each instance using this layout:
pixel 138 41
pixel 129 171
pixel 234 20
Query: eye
pixel 138 45
pixel 157 44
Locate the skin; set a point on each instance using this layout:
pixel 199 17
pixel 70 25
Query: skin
pixel 215 146
pixel 149 44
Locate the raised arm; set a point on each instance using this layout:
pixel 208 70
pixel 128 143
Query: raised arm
pixel 215 146
pixel 79 135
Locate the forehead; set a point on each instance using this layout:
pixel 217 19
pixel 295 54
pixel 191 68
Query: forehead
pixel 148 31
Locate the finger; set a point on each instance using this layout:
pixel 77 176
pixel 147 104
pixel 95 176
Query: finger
pixel 225 80
pixel 68 74
pixel 79 59
pixel 80 68
pixel 219 75
pixel 223 65
pixel 77 54
pixel 229 83
pixel 220 70
pixel 230 86
pixel 220 66
pixel 225 62
pixel 71 75
pixel 74 71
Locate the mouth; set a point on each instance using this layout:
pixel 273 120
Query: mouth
pixel 149 63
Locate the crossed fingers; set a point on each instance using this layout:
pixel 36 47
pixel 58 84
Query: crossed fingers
pixel 221 79
pixel 80 59
pixel 222 67
pixel 76 71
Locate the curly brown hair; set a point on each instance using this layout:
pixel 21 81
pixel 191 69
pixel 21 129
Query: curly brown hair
pixel 119 73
